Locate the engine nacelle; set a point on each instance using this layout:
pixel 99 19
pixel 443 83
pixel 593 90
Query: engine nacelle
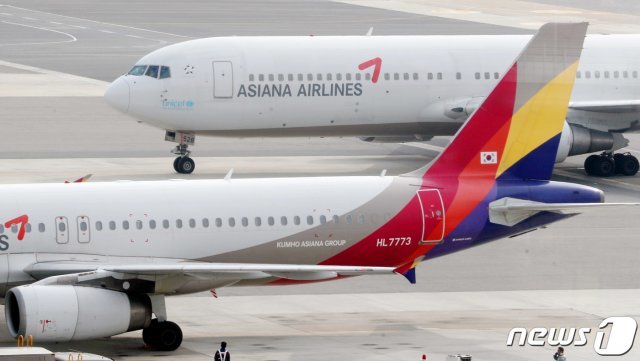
pixel 397 139
pixel 65 313
pixel 576 139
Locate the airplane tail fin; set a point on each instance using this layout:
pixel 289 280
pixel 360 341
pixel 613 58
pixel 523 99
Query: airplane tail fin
pixel 515 132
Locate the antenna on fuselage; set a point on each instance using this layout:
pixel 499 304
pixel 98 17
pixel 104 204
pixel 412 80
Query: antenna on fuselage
pixel 370 32
pixel 229 174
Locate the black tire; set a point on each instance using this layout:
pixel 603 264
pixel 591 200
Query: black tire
pixel 167 336
pixel 605 166
pixel 148 333
pixel 175 164
pixel 186 165
pixel 589 164
pixel 628 165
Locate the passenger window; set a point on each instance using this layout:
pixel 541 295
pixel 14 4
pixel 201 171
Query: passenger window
pixel 271 221
pixel 367 76
pixel 361 219
pixel 309 77
pixel 596 74
pixel 1 228
pixel 406 76
pixel 319 77
pixel 165 72
pixel 27 227
pixel 415 76
pixel 290 77
pixel 606 74
pixel 178 223
pixel 98 226
pixel 477 76
pixel 137 70
pixel 152 224
pixel 339 76
pixel 439 76
pixel 496 75
pixel 271 77
pixel 258 221
pixel 358 76
pixel 336 219
pixel 486 75
pixel 309 220
pixel 218 222
pixel 192 223
pixel 112 225
pixel 165 223
pixel 283 220
pixel 61 227
pixel 587 74
pixel 349 219
pixel 41 228
pixel 261 77
pixel 625 74
pixel 232 222
pixel 578 75
pixel 616 74
pixel 387 76
pixel 296 220
pixel 205 222
pixel 245 221
pixel 280 77
pixel 396 76
pixel 152 71
pixel 139 224
pixel 634 74
pixel 329 76
pixel 430 76
pixel 125 224
pixel 300 77
pixel 458 75
pixel 348 76
pixel 323 219
pixel 251 77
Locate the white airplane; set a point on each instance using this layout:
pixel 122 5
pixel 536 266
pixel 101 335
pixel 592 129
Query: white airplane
pixel 380 88
pixel 86 260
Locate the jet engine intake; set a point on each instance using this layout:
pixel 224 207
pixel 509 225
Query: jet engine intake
pixel 60 313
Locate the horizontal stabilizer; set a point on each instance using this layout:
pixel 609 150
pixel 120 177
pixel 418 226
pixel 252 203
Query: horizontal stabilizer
pixel 511 211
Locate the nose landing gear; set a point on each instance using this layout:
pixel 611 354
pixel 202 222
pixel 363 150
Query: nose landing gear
pixel 182 164
pixel 608 164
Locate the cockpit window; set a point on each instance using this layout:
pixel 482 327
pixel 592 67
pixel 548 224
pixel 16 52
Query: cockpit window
pixel 152 71
pixel 165 72
pixel 137 70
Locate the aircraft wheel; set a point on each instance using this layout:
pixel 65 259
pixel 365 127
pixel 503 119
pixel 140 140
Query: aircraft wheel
pixel 589 164
pixel 627 164
pixel 186 165
pixel 147 333
pixel 604 166
pixel 175 164
pixel 167 336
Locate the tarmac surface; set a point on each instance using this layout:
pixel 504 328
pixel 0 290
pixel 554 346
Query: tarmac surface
pixel 55 62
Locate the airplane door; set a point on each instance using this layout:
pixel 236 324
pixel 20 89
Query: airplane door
pixel 62 230
pixel 222 79
pixel 83 229
pixel 432 216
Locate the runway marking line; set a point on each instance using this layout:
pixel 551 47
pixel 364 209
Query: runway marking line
pixel 71 37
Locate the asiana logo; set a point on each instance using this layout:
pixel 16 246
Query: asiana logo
pixel 615 338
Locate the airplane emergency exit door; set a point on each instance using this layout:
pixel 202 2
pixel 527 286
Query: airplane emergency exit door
pixel 222 79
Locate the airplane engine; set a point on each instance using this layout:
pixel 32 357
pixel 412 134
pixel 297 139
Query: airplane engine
pixel 576 139
pixel 63 313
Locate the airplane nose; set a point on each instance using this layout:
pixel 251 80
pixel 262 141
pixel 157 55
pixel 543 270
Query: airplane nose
pixel 117 94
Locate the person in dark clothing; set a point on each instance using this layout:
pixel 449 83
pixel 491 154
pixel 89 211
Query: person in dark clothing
pixel 559 355
pixel 222 354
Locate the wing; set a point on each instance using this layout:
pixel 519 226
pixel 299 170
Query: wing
pixel 511 211
pixel 608 106
pixel 171 277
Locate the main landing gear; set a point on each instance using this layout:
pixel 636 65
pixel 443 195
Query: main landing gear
pixel 162 336
pixel 608 164
pixel 182 164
